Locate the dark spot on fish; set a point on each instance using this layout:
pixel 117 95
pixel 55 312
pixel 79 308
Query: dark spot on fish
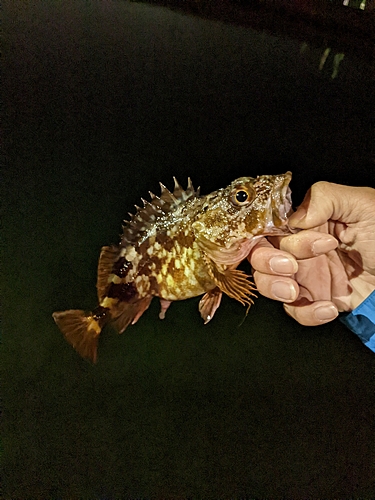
pixel 154 265
pixel 161 237
pixel 153 283
pixel 169 244
pixel 121 267
pixel 164 240
pixel 100 314
pixel 122 291
pixel 171 267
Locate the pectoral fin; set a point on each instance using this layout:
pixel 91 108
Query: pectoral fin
pixel 233 282
pixel 223 255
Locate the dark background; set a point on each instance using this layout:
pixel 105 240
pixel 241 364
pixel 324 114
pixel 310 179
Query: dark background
pixel 102 101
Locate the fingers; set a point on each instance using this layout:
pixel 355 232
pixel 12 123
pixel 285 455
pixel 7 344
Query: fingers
pixel 325 201
pixel 308 244
pixel 269 260
pixel 312 313
pixel 302 310
pixel 303 245
pixel 274 271
pixel 279 288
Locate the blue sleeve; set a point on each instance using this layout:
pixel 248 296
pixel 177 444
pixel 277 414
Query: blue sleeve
pixel 361 321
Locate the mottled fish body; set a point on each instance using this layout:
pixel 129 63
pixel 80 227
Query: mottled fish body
pixel 181 245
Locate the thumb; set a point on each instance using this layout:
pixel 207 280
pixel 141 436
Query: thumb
pixel 325 201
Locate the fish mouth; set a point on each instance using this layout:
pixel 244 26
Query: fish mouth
pixel 281 204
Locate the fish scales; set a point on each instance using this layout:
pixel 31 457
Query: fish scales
pixel 181 245
pixel 170 255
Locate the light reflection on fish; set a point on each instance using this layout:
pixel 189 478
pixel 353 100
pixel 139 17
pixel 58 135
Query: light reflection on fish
pixel 181 245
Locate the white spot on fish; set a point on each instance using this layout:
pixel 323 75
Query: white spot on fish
pixel 188 272
pixel 159 278
pixel 170 280
pixel 131 254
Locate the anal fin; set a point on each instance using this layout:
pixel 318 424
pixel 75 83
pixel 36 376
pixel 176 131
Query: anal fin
pixel 209 303
pixel 130 313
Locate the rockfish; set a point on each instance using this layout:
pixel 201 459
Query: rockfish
pixel 181 245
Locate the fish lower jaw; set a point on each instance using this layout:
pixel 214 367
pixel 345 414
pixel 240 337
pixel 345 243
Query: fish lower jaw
pixel 279 228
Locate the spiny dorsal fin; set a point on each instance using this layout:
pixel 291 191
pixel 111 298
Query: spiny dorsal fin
pixel 166 195
pixel 182 194
pixel 135 228
pixel 178 190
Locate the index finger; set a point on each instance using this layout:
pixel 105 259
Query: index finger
pixel 307 244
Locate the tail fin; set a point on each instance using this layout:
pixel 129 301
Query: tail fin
pixel 81 330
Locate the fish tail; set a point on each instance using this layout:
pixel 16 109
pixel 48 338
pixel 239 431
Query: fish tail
pixel 81 330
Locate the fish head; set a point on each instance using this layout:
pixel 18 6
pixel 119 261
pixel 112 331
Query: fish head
pixel 238 215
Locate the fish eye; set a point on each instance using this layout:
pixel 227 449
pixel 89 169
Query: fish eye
pixel 242 196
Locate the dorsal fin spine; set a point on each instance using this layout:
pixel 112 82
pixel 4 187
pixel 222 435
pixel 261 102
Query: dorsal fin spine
pixel 176 184
pixel 133 229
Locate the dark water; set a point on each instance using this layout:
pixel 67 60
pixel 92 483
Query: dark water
pixel 103 100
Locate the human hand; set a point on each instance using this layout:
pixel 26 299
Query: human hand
pixel 327 267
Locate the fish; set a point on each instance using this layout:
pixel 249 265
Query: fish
pixel 177 246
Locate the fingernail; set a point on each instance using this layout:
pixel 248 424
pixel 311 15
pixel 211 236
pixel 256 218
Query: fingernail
pixel 298 215
pixel 283 291
pixel 326 313
pixel 323 246
pixel 283 265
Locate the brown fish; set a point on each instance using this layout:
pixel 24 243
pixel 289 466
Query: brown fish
pixel 181 245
